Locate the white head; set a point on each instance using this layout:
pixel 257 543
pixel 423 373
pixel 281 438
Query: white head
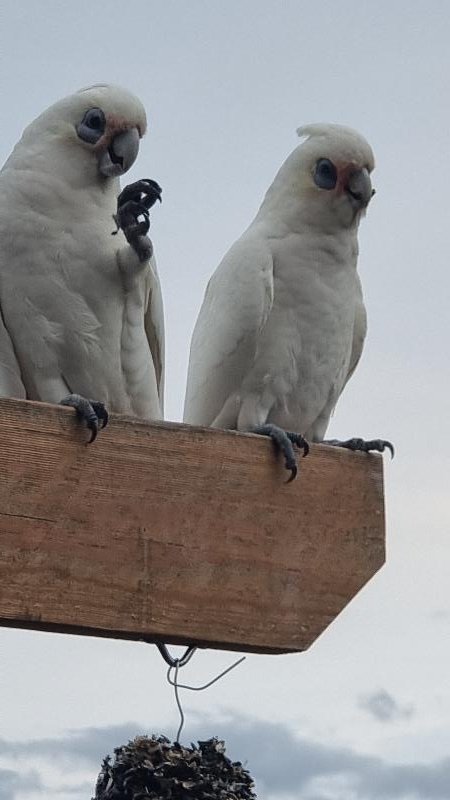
pixel 329 175
pixel 100 125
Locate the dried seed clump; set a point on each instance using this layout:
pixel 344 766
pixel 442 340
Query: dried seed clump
pixel 151 768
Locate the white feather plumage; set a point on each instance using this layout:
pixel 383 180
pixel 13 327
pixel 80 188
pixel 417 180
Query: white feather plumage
pixel 282 324
pixel 79 311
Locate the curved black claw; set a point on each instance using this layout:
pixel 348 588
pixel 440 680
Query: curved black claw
pixel 300 441
pixel 145 191
pixel 132 215
pixel 92 412
pixel 363 445
pixel 284 440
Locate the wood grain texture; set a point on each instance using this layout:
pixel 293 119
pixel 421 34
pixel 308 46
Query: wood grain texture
pixel 167 532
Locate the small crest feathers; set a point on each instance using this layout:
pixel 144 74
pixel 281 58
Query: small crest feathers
pixel 305 131
pixel 339 137
pixel 94 86
pixel 327 129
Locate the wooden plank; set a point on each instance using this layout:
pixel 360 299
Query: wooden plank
pixel 167 532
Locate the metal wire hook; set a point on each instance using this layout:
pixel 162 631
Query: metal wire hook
pixel 176 665
pixel 205 685
pixel 178 702
pixel 172 662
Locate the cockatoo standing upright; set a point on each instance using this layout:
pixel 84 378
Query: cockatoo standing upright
pixel 81 310
pixel 283 322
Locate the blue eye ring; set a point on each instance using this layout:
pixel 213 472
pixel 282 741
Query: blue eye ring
pixel 325 174
pixel 92 126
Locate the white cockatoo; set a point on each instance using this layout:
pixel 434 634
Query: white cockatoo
pixel 81 309
pixel 283 322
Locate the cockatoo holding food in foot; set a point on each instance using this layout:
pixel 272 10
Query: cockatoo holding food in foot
pixel 81 309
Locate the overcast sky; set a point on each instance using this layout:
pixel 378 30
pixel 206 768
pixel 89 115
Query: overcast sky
pixel 365 714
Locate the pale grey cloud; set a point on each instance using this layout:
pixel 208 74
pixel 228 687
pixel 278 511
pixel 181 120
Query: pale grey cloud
pixel 80 791
pixel 286 764
pixel 282 763
pixel 87 744
pixel 385 708
pixel 13 782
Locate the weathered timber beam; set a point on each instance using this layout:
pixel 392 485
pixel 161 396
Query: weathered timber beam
pixel 166 532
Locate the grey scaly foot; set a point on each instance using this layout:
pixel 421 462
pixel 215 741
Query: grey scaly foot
pixel 284 441
pixel 92 412
pixel 380 445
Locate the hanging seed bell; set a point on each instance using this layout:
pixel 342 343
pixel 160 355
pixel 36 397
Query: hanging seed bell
pixel 151 768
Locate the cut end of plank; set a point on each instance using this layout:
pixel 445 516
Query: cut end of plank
pixel 167 532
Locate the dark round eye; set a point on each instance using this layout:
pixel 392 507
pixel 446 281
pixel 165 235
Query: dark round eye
pixel 92 125
pixel 325 174
pixel 95 119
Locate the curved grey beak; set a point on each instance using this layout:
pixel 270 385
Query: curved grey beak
pixel 121 154
pixel 359 188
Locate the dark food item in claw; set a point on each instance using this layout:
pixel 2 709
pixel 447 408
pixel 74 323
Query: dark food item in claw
pixel 145 191
pixel 134 202
pixel 151 768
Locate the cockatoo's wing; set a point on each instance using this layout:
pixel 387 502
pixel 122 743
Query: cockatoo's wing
pixel 236 306
pixel 10 378
pixel 342 378
pixel 359 330
pixel 154 328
